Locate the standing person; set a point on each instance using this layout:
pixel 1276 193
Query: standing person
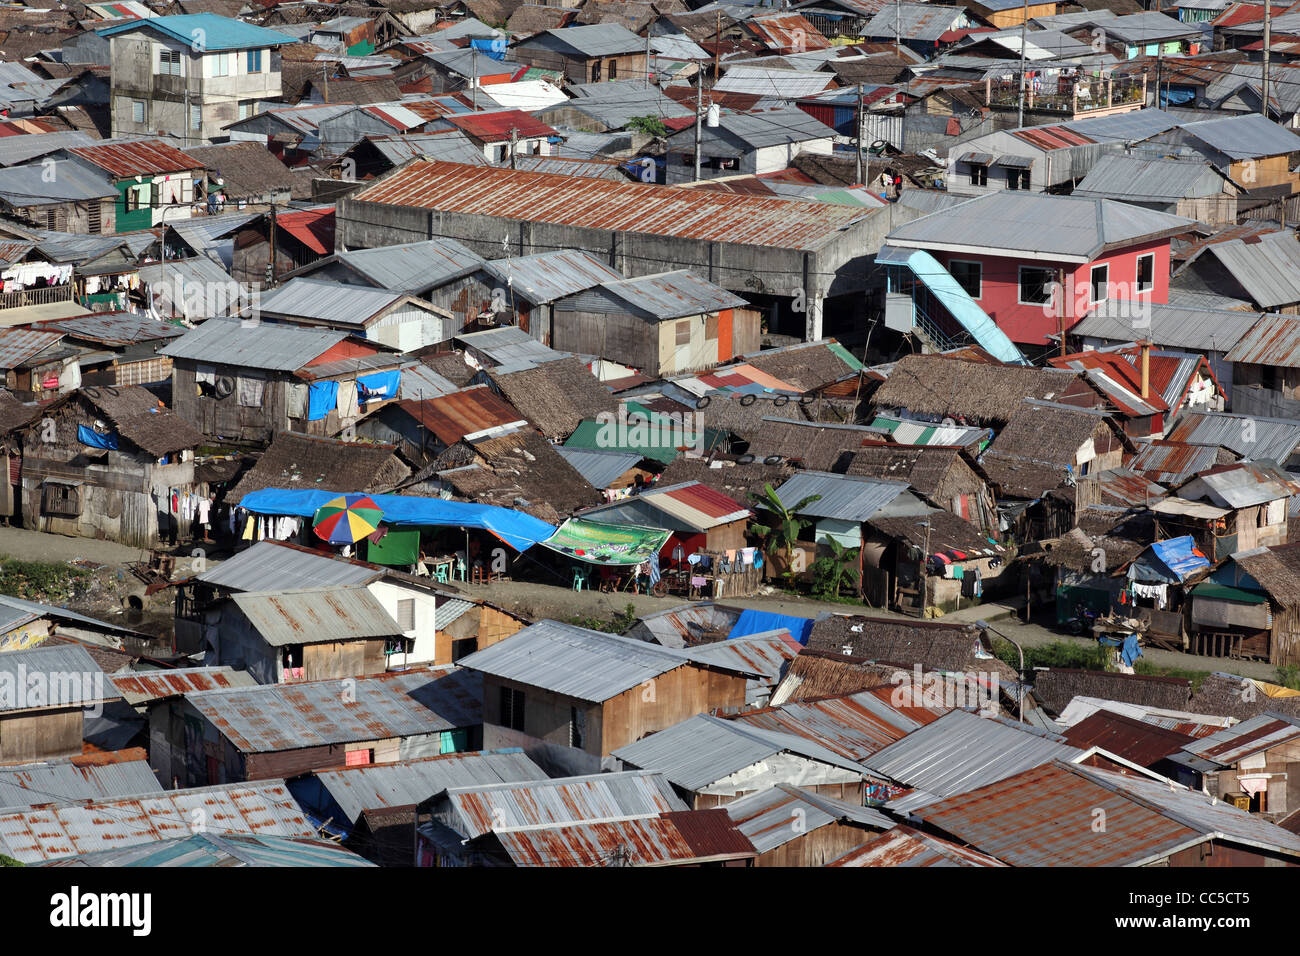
pixel 898 186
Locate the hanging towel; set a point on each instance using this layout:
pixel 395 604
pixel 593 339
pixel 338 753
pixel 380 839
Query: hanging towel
pixel 321 399
pixel 248 529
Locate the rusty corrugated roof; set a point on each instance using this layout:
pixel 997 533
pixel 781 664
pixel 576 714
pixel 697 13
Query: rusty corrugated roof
pixel 470 411
pixel 609 206
pixel 136 688
pixel 138 156
pixel 686 837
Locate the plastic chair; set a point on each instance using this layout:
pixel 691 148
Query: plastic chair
pixel 440 573
pixel 580 579
pixel 460 568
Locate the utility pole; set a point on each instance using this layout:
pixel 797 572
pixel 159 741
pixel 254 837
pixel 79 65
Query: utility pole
pixel 717 46
pixel 699 104
pixel 270 266
pixel 858 142
pixel 1268 26
pixel 473 83
pixel 514 144
pixel 898 29
pixel 647 58
pixel 1024 27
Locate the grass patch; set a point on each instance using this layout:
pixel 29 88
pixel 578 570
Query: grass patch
pixel 616 624
pixel 10 861
pixel 1057 654
pixel 39 581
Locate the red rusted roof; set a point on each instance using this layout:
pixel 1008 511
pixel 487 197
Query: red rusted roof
pixel 140 156
pixel 903 846
pixel 1136 740
pixel 612 206
pixel 788 33
pixel 1051 137
pixel 467 412
pixel 156 685
pixel 314 228
pixel 496 127
pixel 680 838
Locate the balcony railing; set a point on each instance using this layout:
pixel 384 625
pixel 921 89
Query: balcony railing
pixel 20 300
pixel 1075 95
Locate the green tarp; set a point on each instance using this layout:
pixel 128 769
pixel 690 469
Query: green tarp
pixel 395 549
pixel 1225 592
pixel 598 543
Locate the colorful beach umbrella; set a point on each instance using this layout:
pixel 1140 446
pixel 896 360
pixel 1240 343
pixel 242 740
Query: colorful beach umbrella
pixel 347 519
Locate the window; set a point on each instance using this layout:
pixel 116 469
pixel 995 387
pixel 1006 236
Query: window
pixel 683 331
pixel 196 117
pixel 138 114
pixel 1146 272
pixel 93 222
pixel 595 71
pixel 220 64
pixel 1100 283
pixel 1017 179
pixel 463 648
pixel 64 500
pixel 139 197
pixel 979 175
pixel 406 614
pixel 512 708
pixel 1036 285
pixel 246 109
pixel 254 61
pixel 577 727
pixel 968 276
pixel 169 62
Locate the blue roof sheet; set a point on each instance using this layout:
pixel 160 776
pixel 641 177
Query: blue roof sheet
pixel 1180 556
pixel 207 31
pixel 760 622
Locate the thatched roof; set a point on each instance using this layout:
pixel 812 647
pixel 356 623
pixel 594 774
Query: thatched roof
pixel 934 644
pixel 450 365
pixel 1227 695
pixel 1015 477
pixel 734 480
pixel 1134 525
pixel 811 445
pixel 304 461
pixel 478 483
pixel 635 15
pixel 556 396
pixel 1057 686
pixel 362 91
pixel 744 418
pixel 977 393
pixel 532 18
pixel 946 532
pixel 526 462
pixel 921 466
pixel 1076 551
pixel 139 417
pixel 816 673
pixel 15 414
pixel 806 367
pixel 1276 569
pixel 1048 433
pixel 247 169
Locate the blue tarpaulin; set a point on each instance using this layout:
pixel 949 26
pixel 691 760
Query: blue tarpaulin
pixel 520 531
pixel 495 48
pixel 1180 556
pixel 757 622
pixel 322 398
pixel 88 436
pixel 381 385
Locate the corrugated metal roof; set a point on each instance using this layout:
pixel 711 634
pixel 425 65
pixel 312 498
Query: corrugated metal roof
pixel 17 345
pixel 1272 439
pixel 1172 463
pixel 451 146
pixel 226 850
pixel 58 181
pixel 687 837
pixel 466 412
pixel 114 328
pixel 316 615
pixel 420 382
pixel 262 345
pixel 144 686
pixel 524 805
pixel 412 267
pixel 599 467
pixel 130 157
pixel 671 295
pixel 1146 820
pixel 71 828
pixel 37 609
pixel 595 39
pixel 328 301
pixel 1268 267
pixel 267 565
pixel 34 784
pixel 450 610
pixel 509 347
pixel 1147 27
pixel 576 662
pixel 1273 340
pixel 704 749
pixel 1137 179
pixel 768 817
pixel 1171 326
pixel 1253 735
pixel 962 751
pixel 61 675
pixel 20 149
pixel 388 786
pixel 624 207
pixel 1246 136
pixel 274 717
pixel 843 497
pixel 770 81
pixel 217 32
pixel 548 276
pixel 903 846
pixel 1073 228
pixel 696 505
pixel 765 653
pixel 498 126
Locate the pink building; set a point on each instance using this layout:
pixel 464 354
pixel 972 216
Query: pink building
pixel 1011 252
